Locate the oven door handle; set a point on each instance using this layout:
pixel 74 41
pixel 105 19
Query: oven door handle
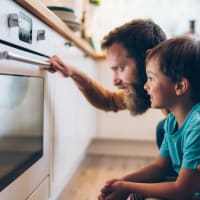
pixel 12 56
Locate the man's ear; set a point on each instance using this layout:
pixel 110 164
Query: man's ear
pixel 182 86
pixel 148 51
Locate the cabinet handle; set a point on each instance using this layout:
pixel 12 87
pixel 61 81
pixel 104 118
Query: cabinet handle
pixel 12 56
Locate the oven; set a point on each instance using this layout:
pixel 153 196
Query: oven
pixel 25 90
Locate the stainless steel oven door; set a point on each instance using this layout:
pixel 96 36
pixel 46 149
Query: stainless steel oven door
pixel 25 184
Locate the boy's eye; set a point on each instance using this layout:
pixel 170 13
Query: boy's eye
pixel 150 78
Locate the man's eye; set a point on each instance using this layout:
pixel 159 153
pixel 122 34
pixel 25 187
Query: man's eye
pixel 119 69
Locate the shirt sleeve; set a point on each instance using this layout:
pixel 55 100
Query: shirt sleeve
pixel 191 156
pixel 103 98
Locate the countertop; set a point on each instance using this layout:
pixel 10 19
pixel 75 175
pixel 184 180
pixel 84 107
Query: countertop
pixel 37 8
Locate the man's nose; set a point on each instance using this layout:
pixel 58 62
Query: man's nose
pixel 117 81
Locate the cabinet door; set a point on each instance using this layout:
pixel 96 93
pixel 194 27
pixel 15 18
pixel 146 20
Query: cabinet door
pixel 42 192
pixel 74 118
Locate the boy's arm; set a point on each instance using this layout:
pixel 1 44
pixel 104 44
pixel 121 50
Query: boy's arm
pixel 154 172
pixel 183 188
pixel 94 92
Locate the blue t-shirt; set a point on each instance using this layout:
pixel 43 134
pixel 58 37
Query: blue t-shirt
pixel 183 145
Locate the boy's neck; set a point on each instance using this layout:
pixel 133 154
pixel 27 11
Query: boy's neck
pixel 181 111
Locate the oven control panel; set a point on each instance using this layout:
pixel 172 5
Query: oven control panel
pixel 20 27
pixel 24 22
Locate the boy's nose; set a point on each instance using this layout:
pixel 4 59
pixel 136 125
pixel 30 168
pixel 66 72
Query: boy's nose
pixel 145 86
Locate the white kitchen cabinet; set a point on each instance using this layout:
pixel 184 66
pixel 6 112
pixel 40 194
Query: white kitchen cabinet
pixel 74 123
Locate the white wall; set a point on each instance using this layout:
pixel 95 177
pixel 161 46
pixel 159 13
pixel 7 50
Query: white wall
pixel 172 15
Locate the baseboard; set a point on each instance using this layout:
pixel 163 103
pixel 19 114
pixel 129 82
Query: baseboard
pixel 118 147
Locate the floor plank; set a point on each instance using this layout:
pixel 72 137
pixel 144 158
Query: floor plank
pixel 94 171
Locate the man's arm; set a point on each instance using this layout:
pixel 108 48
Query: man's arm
pixel 94 92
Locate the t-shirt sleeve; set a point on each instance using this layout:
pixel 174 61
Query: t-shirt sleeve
pixel 191 149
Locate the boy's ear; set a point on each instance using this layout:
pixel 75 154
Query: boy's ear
pixel 182 86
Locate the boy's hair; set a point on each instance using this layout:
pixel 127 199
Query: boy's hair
pixel 136 36
pixel 179 58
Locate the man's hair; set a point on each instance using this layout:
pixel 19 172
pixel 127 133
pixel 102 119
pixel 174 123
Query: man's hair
pixel 179 58
pixel 136 36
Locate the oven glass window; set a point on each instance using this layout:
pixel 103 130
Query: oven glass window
pixel 21 129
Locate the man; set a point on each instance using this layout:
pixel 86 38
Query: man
pixel 126 48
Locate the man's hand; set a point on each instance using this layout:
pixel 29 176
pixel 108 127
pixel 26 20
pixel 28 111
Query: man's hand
pixel 58 65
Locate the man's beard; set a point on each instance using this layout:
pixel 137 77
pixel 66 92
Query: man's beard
pixel 137 99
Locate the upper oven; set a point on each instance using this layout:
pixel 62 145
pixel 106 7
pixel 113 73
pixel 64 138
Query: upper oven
pixel 25 91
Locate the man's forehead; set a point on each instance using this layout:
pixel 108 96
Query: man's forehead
pixel 115 60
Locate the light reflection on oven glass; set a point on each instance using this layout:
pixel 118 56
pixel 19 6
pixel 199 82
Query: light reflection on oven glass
pixel 21 130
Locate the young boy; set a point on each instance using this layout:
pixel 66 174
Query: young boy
pixel 173 82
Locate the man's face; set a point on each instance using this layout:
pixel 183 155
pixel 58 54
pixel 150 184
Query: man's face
pixel 122 66
pixel 125 76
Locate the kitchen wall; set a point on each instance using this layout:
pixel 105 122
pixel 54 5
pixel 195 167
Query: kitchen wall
pixel 172 15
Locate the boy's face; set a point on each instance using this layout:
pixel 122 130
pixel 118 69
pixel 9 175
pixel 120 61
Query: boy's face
pixel 125 77
pixel 160 88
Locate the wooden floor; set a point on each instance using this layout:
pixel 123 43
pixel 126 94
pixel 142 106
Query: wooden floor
pixel 94 171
